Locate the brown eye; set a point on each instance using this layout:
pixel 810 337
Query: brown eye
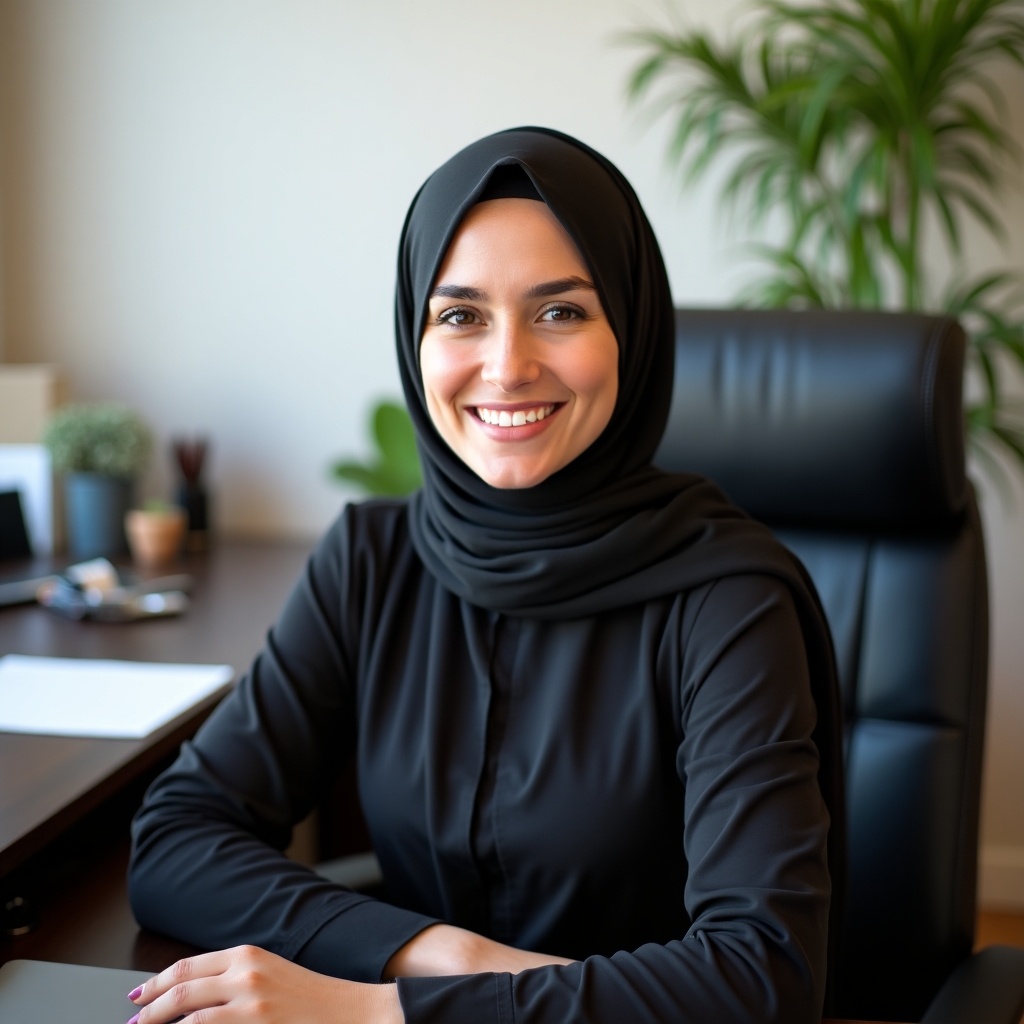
pixel 458 317
pixel 561 314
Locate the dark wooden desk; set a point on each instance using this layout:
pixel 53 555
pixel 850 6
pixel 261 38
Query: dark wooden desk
pixel 65 802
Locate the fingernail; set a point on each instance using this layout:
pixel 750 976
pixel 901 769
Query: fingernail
pixel 134 994
pixel 134 1020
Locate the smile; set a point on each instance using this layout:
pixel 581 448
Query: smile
pixel 519 418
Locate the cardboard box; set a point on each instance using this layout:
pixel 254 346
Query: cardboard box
pixel 29 394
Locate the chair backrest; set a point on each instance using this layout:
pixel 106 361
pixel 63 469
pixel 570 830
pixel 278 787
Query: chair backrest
pixel 844 433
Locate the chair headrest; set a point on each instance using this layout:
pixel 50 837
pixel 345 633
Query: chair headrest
pixel 822 416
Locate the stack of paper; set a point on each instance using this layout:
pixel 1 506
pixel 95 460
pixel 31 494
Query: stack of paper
pixel 85 697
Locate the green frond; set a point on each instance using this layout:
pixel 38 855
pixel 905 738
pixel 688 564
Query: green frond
pixel 983 360
pixel 966 196
pixel 853 124
pixel 979 444
pixel 947 219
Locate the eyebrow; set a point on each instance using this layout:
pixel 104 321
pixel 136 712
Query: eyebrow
pixel 538 291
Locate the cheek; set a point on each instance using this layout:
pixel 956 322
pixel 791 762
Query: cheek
pixel 595 375
pixel 444 373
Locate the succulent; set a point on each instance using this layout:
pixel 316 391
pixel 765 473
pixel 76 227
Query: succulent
pixel 98 437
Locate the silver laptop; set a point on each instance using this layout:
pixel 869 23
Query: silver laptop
pixel 40 992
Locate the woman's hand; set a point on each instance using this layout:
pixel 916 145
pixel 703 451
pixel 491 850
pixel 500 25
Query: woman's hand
pixel 251 985
pixel 443 949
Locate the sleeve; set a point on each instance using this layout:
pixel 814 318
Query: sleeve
pixel 755 828
pixel 207 864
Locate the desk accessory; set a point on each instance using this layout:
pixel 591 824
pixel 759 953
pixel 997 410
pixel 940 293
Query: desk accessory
pixel 22 589
pixel 14 541
pixel 193 497
pixel 26 468
pixel 96 590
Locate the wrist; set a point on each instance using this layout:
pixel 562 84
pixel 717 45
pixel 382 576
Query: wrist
pixel 383 1005
pixel 438 950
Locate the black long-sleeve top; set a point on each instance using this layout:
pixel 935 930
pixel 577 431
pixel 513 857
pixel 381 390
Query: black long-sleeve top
pixel 635 790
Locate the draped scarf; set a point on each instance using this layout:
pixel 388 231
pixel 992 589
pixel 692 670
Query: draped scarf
pixel 608 529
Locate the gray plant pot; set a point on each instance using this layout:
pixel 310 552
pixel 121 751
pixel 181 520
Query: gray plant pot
pixel 95 504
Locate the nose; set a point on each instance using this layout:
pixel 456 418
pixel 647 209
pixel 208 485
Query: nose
pixel 510 360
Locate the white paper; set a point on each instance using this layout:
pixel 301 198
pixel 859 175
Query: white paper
pixel 88 697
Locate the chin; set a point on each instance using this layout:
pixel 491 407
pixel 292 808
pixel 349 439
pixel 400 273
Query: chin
pixel 512 479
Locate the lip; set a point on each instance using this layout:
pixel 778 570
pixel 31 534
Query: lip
pixel 524 432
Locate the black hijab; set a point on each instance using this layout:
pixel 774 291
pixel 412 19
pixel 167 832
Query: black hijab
pixel 608 530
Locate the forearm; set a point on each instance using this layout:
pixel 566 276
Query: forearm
pixel 443 950
pixel 215 886
pixel 736 973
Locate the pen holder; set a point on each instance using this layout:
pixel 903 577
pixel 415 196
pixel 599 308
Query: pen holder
pixel 196 502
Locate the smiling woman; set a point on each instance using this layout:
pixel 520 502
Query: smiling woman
pixel 521 375
pixel 592 706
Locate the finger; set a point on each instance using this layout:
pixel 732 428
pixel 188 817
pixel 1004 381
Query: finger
pixel 204 965
pixel 180 1001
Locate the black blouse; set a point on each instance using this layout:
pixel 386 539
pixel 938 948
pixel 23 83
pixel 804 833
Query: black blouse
pixel 636 790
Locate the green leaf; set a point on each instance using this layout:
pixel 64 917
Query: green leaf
pixel 395 469
pixel 849 126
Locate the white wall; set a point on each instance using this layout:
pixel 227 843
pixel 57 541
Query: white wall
pixel 200 205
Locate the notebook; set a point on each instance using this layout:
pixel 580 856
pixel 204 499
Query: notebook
pixel 40 992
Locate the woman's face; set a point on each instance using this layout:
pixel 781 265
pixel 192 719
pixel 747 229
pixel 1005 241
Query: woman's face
pixel 519 362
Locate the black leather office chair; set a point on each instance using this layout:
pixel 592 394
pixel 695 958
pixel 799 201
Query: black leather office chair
pixel 843 431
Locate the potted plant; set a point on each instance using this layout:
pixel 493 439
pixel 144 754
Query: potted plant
pixel 99 448
pixel 395 467
pixel 871 131
pixel 155 532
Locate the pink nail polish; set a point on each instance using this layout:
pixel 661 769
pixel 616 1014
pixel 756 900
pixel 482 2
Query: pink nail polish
pixel 135 993
pixel 134 1020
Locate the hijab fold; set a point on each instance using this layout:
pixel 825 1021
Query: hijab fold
pixel 609 529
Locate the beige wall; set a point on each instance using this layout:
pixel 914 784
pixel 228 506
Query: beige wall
pixel 199 205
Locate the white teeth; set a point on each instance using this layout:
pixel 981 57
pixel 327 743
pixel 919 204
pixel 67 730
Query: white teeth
pixel 519 418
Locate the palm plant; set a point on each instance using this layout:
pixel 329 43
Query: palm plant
pixel 875 129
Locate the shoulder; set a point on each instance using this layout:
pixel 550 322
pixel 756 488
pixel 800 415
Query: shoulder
pixel 738 598
pixel 365 549
pixel 756 611
pixel 367 529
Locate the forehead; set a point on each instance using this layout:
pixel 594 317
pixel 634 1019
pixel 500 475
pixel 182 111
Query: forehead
pixel 516 235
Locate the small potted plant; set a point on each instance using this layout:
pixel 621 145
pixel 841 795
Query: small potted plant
pixel 155 532
pixel 100 448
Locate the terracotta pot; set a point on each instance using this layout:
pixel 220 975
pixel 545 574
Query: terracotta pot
pixel 154 537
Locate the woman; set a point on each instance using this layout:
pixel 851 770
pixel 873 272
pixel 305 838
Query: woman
pixel 591 704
